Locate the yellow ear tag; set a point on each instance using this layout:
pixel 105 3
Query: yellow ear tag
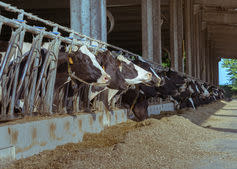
pixel 70 60
pixel 103 67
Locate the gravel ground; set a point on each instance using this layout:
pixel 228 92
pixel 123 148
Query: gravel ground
pixel 181 140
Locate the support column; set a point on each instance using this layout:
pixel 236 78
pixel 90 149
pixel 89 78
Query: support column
pixel 193 28
pixel 216 70
pixel 156 9
pixel 208 62
pixel 198 25
pixel 180 35
pixel 211 63
pixel 174 35
pixel 203 54
pixel 98 20
pixel 218 60
pixel 188 38
pixel 89 18
pixel 151 30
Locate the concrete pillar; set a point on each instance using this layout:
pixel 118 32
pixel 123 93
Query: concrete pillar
pixel 216 70
pixel 98 20
pixel 180 35
pixel 156 9
pixel 193 35
pixel 151 30
pixel 209 70
pixel 188 33
pixel 89 18
pixel 218 60
pixel 198 25
pixel 174 35
pixel 203 54
pixel 206 56
pixel 211 63
pixel 195 64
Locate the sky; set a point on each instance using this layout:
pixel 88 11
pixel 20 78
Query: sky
pixel 223 77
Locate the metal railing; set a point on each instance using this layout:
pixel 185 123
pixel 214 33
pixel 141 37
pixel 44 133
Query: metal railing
pixel 35 89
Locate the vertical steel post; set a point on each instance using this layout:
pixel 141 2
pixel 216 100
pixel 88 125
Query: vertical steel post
pixel 30 95
pixel 4 69
pixel 48 101
pixel 18 60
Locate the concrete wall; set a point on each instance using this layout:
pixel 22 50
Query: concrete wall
pixel 26 139
pixel 33 137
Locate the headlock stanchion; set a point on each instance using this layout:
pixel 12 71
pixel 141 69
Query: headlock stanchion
pixel 35 86
pixel 48 100
pixel 30 79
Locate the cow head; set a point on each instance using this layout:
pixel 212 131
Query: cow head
pixel 112 66
pixel 133 74
pixel 156 79
pixel 84 66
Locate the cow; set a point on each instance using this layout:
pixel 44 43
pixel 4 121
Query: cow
pixel 156 80
pixel 127 71
pixel 85 67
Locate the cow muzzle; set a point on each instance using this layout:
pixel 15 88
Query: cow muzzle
pixel 104 79
pixel 149 76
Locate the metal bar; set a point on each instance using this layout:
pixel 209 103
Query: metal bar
pixel 4 69
pixel 10 51
pixel 19 53
pixel 34 51
pixel 19 56
pixel 1 26
pixel 27 65
pixel 34 75
pixel 52 76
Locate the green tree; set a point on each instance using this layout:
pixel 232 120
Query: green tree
pixel 231 65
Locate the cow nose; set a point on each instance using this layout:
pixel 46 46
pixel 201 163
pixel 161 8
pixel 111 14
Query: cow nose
pixel 159 81
pixel 106 78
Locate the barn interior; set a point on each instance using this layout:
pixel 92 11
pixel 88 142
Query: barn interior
pixel 189 35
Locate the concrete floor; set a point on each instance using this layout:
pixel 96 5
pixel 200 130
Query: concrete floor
pixel 227 144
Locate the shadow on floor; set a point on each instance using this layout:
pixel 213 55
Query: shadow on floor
pixel 226 115
pixel 230 109
pixel 203 112
pixel 222 129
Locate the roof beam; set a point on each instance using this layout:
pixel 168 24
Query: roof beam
pixel 228 55
pixel 222 29
pixel 218 3
pixel 117 3
pixel 226 47
pixel 220 17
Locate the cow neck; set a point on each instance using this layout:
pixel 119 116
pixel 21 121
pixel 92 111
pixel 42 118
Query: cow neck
pixel 135 99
